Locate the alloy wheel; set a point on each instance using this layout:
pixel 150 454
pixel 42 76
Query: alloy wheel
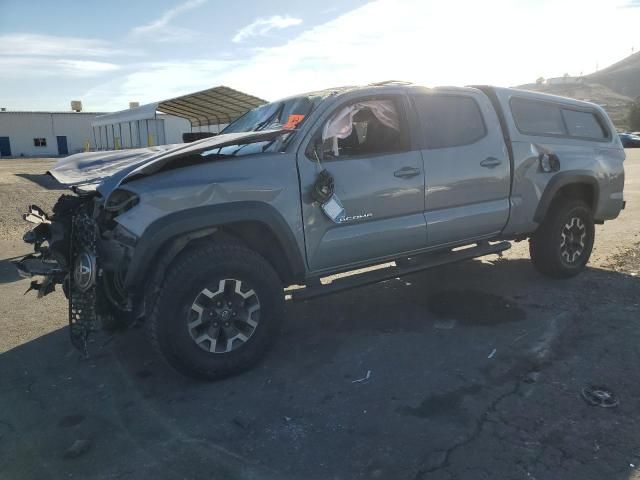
pixel 574 233
pixel 224 319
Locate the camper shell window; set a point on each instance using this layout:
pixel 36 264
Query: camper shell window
pixel 540 118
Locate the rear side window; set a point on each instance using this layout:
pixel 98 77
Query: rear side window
pixel 537 118
pixel 450 120
pixel 584 124
pixel 542 118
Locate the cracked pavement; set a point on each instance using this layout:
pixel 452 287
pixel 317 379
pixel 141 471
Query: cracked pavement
pixel 476 373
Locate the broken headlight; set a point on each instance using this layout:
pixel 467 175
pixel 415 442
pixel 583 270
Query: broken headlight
pixel 120 201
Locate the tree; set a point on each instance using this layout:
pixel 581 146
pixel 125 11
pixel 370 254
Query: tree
pixel 634 116
pixel 539 80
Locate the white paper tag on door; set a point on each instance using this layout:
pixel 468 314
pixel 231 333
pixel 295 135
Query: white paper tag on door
pixel 333 209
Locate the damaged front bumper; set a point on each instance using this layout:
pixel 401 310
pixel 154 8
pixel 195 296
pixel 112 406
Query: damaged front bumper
pixel 66 253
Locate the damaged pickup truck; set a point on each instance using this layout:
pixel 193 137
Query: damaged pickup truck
pixel 201 240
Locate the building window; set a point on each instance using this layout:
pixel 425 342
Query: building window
pixel 40 142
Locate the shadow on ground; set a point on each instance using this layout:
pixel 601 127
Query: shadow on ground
pixel 475 372
pixel 8 272
pixel 43 180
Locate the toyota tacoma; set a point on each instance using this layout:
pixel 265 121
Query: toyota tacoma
pixel 203 241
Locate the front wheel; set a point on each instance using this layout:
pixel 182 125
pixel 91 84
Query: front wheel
pixel 562 245
pixel 218 311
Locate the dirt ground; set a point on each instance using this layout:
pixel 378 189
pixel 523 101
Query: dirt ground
pixel 475 371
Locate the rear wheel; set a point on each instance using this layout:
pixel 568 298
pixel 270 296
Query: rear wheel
pixel 562 245
pixel 218 311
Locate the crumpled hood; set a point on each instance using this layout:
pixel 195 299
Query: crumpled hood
pixel 92 167
pixel 105 170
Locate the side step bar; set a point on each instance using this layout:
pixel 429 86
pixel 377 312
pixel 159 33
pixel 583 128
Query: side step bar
pixel 417 264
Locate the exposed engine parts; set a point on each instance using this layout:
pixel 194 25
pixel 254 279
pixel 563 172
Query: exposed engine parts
pixel 66 251
pixel 50 256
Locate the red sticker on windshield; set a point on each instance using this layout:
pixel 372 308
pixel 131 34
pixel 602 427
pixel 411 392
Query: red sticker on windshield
pixel 293 121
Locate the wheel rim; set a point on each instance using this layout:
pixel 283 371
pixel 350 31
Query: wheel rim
pixel 224 319
pixel 574 234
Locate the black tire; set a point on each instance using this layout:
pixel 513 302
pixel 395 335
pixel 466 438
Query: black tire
pixel 118 318
pixel 205 267
pixel 558 256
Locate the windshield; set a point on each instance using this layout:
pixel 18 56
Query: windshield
pixel 289 113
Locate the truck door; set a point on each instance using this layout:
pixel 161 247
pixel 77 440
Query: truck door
pixel 378 178
pixel 467 171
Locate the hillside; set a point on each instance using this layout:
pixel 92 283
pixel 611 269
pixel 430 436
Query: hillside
pixel 614 88
pixel 616 105
pixel 622 77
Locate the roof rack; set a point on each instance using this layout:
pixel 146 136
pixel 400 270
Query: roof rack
pixel 390 82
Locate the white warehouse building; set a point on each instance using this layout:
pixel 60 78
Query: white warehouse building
pixel 178 120
pixel 121 130
pixel 45 134
pixel 52 134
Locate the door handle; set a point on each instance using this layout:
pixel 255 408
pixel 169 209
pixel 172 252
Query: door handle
pixel 406 172
pixel 490 162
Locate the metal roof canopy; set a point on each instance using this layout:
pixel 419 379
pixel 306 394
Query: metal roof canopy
pixel 213 106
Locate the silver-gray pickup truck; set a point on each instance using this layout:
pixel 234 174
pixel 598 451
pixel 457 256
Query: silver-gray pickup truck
pixel 201 240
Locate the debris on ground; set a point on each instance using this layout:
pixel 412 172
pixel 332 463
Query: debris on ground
pixel 77 448
pixel 599 397
pixel 363 379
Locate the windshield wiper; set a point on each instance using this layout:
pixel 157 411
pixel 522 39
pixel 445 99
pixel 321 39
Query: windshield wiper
pixel 270 119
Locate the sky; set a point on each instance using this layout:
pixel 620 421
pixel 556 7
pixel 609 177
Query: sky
pixel 108 53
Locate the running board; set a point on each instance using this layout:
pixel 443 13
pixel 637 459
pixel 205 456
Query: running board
pixel 417 264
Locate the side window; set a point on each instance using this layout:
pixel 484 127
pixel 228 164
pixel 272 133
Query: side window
pixel 366 127
pixel 537 118
pixel 584 124
pixel 450 120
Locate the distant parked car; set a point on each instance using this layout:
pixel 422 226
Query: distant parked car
pixel 629 140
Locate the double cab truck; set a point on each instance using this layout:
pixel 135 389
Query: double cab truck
pixel 202 241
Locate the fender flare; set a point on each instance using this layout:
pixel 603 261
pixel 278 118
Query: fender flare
pixel 182 223
pixel 561 180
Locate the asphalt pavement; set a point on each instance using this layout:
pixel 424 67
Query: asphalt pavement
pixel 468 371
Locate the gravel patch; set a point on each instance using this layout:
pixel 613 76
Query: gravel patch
pixel 23 182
